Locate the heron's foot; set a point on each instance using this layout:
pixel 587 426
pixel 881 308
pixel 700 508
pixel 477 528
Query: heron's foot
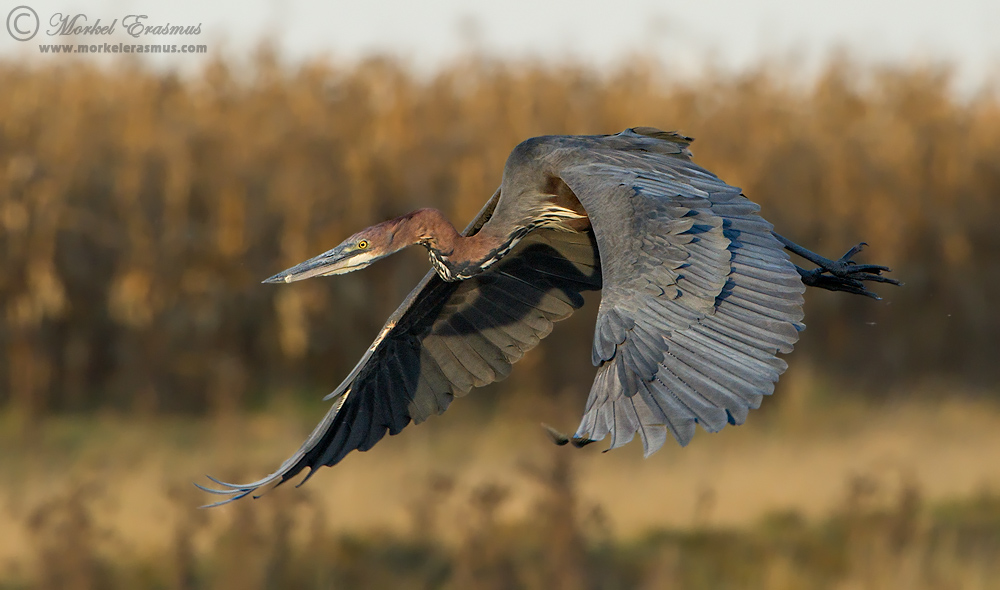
pixel 844 274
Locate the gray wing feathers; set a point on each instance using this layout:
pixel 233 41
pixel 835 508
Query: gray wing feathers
pixel 698 299
pixel 445 339
pixel 483 326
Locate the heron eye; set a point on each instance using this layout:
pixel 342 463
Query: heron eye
pixel 362 244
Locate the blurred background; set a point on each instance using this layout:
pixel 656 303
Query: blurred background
pixel 143 198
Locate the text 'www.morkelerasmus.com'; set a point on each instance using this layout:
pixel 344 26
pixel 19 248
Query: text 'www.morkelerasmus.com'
pixel 24 24
pixel 123 48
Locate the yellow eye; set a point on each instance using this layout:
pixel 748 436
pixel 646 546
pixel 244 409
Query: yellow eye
pixel 362 244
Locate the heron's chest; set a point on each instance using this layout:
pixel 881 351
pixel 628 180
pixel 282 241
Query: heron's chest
pixel 451 270
pixel 440 266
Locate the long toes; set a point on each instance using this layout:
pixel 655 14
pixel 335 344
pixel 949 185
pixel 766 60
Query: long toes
pixel 876 268
pixel 859 289
pixel 852 283
pixel 863 276
pixel 881 279
pixel 853 251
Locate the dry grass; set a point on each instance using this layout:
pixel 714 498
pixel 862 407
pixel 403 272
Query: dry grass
pixel 811 494
pixel 138 211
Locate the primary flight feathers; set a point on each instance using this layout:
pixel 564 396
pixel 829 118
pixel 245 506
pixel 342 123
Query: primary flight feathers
pixel 698 296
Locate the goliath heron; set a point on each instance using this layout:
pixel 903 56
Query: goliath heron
pixel 697 297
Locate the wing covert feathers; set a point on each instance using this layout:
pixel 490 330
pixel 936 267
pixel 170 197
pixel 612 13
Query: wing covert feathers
pixel 445 339
pixel 698 299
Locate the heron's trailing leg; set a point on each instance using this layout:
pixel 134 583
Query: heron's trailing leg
pixel 842 274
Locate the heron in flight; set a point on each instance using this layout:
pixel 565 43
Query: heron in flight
pixel 698 296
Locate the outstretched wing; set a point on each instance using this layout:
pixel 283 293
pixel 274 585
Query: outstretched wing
pixel 445 339
pixel 698 299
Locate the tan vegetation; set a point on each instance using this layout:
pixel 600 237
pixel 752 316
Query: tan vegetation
pixel 139 210
pixel 832 499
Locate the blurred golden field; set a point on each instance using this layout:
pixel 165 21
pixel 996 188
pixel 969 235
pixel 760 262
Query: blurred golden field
pixel 810 494
pixel 140 209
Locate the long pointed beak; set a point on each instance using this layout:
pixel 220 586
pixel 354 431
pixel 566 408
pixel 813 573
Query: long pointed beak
pixel 332 262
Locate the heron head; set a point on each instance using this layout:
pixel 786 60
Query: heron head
pixel 354 253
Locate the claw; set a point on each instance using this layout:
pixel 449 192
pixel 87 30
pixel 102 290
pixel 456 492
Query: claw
pixel 864 276
pixel 846 275
pixel 842 274
pixel 850 253
pixel 877 268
